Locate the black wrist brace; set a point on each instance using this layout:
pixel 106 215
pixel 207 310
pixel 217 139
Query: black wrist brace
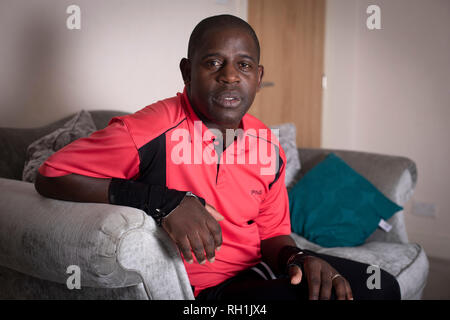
pixel 156 201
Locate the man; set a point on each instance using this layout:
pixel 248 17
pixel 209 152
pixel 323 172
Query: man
pixel 230 213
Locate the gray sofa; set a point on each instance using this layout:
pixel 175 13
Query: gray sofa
pixel 123 255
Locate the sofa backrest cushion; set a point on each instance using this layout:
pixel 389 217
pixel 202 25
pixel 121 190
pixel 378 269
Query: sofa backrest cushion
pixel 15 141
pixel 80 126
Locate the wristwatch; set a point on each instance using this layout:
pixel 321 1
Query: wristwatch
pixel 160 214
pixel 190 194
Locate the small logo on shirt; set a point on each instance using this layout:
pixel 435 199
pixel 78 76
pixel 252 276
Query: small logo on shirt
pixel 256 192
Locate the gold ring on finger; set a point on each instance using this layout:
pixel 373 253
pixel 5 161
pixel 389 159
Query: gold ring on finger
pixel 337 275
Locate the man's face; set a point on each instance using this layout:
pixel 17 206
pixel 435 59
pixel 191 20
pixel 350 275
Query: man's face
pixel 223 77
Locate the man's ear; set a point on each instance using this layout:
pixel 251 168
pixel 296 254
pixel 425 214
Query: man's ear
pixel 185 68
pixel 260 76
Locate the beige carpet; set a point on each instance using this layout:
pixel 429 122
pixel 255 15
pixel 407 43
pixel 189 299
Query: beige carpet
pixel 438 284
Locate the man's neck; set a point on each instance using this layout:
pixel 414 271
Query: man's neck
pixel 227 139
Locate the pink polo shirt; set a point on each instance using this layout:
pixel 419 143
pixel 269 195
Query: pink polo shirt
pixel 166 143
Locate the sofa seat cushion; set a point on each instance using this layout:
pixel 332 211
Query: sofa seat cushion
pixel 406 261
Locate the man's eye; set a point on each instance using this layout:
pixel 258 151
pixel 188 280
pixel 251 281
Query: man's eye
pixel 245 66
pixel 213 63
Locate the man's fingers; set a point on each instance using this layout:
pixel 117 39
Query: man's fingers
pixel 348 290
pixel 214 227
pixel 209 245
pixel 195 230
pixel 313 270
pixel 216 232
pixel 197 247
pixel 325 286
pixel 212 211
pixel 340 288
pixel 295 274
pixel 185 249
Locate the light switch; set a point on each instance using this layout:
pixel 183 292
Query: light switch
pixel 424 209
pixel 324 82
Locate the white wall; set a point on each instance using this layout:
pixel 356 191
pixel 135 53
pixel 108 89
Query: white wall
pixel 389 92
pixel 125 56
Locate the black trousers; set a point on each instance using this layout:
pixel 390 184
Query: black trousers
pixel 260 285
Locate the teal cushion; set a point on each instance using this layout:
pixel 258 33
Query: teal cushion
pixel 334 206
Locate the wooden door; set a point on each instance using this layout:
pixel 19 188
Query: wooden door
pixel 291 35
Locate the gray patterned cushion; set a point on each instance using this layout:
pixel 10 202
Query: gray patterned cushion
pixel 287 137
pixel 405 261
pixel 81 125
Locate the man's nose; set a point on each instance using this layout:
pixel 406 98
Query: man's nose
pixel 229 74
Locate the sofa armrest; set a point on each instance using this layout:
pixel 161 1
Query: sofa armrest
pixel 114 246
pixel 394 176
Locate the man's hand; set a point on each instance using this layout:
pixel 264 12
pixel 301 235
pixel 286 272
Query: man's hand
pixel 193 226
pixel 321 279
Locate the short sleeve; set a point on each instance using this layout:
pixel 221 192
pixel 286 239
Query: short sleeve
pixel 273 219
pixel 106 153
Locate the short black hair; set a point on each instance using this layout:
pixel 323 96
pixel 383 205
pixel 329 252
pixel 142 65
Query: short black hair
pixel 220 21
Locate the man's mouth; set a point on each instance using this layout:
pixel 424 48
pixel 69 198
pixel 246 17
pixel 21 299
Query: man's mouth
pixel 227 99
